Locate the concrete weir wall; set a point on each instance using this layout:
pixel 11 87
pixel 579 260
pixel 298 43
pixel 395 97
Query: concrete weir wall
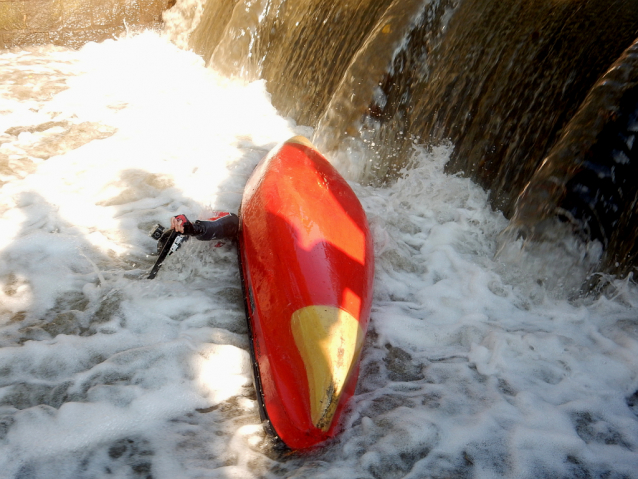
pixel 74 22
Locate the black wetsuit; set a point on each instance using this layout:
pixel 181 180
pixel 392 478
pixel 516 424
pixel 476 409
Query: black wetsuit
pixel 222 227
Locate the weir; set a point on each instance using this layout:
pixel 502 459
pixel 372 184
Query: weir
pixel 499 80
pixel 588 178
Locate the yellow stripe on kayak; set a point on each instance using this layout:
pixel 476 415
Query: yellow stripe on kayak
pixel 329 340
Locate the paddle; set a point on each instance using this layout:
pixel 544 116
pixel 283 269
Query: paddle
pixel 171 244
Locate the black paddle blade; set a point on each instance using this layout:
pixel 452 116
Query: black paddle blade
pixel 171 245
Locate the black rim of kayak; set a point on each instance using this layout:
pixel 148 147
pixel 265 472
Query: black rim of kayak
pixel 263 414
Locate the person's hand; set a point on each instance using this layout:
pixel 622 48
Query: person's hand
pixel 178 222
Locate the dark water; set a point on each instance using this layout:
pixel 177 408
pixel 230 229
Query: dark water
pixel 588 178
pixel 501 80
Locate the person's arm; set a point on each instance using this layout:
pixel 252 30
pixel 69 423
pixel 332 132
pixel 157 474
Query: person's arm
pixel 223 226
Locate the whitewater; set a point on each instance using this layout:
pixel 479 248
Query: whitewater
pixel 476 364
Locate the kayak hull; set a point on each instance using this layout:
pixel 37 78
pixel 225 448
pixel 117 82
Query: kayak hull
pixel 307 266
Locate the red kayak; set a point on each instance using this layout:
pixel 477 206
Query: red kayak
pixel 307 265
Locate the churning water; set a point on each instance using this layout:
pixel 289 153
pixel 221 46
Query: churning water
pixel 475 365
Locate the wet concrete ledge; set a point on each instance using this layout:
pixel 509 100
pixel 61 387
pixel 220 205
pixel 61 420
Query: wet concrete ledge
pixel 74 22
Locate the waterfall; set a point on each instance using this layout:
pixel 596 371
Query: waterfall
pixel 498 80
pixel 588 178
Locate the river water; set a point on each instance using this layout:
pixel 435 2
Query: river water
pixel 476 365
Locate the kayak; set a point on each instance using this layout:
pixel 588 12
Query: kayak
pixel 307 264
